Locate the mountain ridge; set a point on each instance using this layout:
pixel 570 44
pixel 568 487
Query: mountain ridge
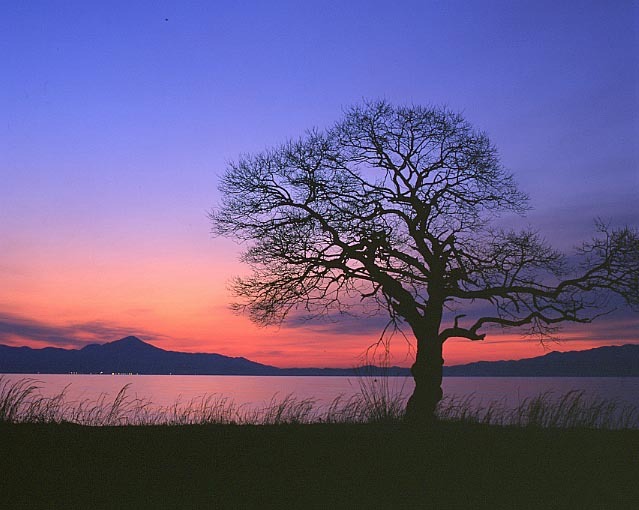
pixel 606 361
pixel 132 355
pixel 127 355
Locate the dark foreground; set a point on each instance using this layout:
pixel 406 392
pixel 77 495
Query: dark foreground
pixel 316 466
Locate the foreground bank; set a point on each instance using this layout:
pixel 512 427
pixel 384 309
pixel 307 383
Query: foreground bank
pixel 452 465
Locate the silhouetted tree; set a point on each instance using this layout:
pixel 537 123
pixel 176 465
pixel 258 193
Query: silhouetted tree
pixel 393 206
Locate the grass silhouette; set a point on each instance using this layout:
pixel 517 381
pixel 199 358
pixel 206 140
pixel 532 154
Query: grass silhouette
pixel 377 401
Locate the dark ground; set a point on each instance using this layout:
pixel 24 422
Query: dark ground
pixel 316 466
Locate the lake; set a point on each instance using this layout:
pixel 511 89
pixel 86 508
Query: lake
pixel 163 390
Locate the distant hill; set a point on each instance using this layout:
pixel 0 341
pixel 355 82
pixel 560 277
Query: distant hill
pixel 128 355
pixel 132 355
pixel 612 361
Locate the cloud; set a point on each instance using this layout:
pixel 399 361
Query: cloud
pixel 623 329
pixel 621 325
pixel 341 324
pixel 269 353
pixel 18 330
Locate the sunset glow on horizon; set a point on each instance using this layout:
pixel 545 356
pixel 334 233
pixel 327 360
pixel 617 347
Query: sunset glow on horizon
pixel 119 121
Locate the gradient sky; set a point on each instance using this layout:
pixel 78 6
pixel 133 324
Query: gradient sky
pixel 118 119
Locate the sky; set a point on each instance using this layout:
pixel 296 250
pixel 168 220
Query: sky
pixel 118 119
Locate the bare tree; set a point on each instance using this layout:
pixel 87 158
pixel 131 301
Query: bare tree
pixel 393 207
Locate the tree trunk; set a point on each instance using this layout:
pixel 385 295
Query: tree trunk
pixel 427 373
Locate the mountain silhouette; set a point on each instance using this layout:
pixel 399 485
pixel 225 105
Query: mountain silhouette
pixel 610 361
pixel 128 355
pixel 132 355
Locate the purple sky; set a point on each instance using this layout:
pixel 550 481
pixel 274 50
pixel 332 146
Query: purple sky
pixel 119 117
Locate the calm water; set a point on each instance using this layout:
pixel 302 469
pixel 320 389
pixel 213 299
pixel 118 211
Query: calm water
pixel 258 390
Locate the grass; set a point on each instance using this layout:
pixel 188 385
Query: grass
pixel 574 409
pixel 378 401
pixel 22 402
pixel 209 452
